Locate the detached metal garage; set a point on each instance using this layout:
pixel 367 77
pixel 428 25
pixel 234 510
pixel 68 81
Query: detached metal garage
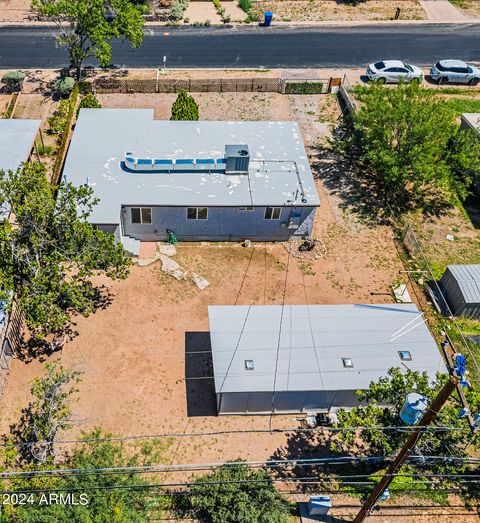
pixel 298 358
pixel 460 285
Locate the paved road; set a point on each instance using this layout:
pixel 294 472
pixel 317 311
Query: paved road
pixel 331 46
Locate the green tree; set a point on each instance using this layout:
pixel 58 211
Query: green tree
pixel 89 101
pixel 184 107
pixel 382 402
pixel 111 497
pixel 49 252
pixel 407 137
pixel 48 414
pixel 87 27
pixel 236 494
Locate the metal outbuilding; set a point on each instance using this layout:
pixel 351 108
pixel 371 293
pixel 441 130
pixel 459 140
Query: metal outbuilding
pixel 460 284
pixel 298 358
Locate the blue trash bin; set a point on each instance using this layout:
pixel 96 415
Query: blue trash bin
pixel 268 18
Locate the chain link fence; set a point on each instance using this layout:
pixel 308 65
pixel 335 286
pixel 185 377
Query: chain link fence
pixel 213 85
pixel 422 270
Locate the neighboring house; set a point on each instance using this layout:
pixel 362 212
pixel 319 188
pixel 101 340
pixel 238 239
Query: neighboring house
pixel 312 358
pixel 16 142
pixel 472 121
pixel 217 181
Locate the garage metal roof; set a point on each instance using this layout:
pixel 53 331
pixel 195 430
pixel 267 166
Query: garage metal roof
pixel 302 347
pixel 468 280
pixel 103 136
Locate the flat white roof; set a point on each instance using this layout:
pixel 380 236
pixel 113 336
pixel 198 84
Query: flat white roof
pixel 279 166
pixel 301 347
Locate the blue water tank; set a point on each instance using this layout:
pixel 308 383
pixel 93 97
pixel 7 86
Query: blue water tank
pixel 268 18
pixel 414 408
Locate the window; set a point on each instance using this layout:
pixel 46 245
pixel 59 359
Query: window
pixel 441 67
pixel 141 215
pixel 347 362
pixel 245 208
pixel 379 65
pixel 272 213
pixel 197 213
pixel 405 355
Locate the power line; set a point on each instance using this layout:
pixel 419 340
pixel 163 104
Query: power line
pixel 195 467
pixel 188 484
pixel 403 428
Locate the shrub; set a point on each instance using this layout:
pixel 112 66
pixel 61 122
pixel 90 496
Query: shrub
pixel 253 17
pixel 184 107
pixel 89 102
pixel 58 120
pixel 71 103
pixel 246 5
pixel 226 19
pixel 236 493
pixel 44 151
pixel 64 86
pixel 13 80
pixel 176 11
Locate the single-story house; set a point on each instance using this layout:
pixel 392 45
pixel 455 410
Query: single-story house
pixel 16 142
pixel 203 180
pixel 460 285
pixel 312 358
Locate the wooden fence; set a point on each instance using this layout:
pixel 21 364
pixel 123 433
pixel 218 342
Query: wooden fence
pixel 10 341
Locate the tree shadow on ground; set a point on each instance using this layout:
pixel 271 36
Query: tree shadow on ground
pixel 472 206
pixel 30 346
pixel 199 380
pixel 304 445
pixel 355 191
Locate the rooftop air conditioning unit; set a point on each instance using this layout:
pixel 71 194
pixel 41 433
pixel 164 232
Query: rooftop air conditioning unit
pixel 238 159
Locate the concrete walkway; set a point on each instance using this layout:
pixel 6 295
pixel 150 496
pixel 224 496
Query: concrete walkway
pixel 443 11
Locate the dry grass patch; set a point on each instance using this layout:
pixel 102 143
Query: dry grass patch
pixel 318 10
pixel 468 7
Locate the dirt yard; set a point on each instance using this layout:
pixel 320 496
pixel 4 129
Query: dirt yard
pixel 319 10
pixel 15 10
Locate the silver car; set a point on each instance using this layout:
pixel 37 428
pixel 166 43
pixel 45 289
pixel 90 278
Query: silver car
pixel 455 72
pixel 394 71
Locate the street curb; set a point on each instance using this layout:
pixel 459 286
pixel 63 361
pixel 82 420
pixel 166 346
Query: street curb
pixel 303 25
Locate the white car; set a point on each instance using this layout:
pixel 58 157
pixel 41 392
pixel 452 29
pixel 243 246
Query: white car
pixel 455 71
pixel 394 71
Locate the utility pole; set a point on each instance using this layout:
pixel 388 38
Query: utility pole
pixel 429 416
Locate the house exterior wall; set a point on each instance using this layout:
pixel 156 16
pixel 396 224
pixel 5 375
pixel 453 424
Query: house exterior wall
pixel 222 224
pixel 284 402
